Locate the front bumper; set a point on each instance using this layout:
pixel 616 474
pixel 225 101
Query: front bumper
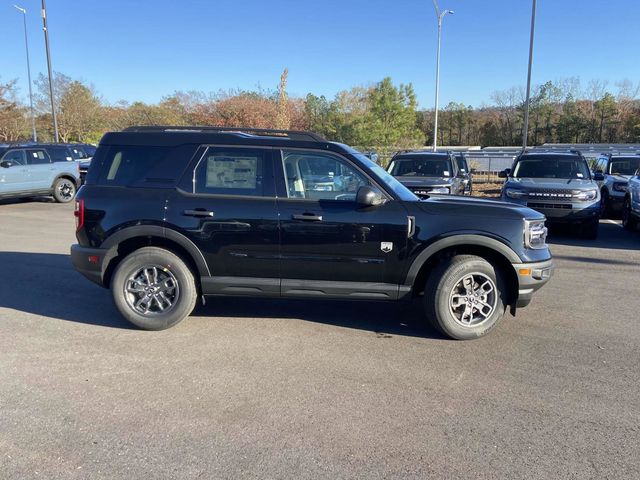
pixel 561 212
pixel 531 278
pixel 90 262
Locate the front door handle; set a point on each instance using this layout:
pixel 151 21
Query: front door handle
pixel 309 217
pixel 198 212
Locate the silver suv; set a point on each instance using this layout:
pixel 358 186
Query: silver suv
pixel 617 170
pixel 28 171
pixel 631 205
pixel 559 185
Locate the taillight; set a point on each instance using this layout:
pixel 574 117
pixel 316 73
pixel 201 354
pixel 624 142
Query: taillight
pixel 79 214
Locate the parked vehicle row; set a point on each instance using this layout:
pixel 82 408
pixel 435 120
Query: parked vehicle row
pixel 169 214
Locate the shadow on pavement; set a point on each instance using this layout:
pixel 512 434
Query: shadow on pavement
pixel 46 284
pixel 10 201
pixel 611 236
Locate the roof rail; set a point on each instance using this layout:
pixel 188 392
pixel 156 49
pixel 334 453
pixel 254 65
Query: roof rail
pixel 292 134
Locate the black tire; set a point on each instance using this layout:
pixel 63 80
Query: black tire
pixel 629 222
pixel 442 286
pixel 64 190
pixel 605 204
pixel 590 229
pixel 177 302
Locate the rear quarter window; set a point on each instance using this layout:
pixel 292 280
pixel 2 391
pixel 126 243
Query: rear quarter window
pixel 122 166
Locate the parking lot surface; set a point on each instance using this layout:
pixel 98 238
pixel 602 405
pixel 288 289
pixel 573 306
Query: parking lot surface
pixel 291 389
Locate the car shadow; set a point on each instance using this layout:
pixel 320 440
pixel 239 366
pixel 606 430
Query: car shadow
pixel 610 236
pixel 46 284
pixel 11 201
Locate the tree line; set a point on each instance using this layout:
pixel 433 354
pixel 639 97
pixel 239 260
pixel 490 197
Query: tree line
pixel 378 116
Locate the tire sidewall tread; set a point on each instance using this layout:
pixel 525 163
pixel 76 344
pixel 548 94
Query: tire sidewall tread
pixel 184 276
pixel 439 285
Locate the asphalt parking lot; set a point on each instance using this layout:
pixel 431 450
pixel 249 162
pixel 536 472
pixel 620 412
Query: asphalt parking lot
pixel 292 389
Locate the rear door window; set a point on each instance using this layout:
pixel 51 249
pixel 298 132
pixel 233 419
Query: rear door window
pixel 37 157
pixel 234 171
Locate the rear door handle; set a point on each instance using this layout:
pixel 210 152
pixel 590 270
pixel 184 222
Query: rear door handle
pixel 309 217
pixel 198 212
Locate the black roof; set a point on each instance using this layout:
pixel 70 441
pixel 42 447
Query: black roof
pixel 180 135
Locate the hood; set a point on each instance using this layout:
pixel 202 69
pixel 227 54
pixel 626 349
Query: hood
pixel 466 206
pixel 425 181
pixel 621 178
pixel 552 183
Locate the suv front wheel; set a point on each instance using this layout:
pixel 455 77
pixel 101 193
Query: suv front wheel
pixel 628 221
pixel 153 288
pixel 465 297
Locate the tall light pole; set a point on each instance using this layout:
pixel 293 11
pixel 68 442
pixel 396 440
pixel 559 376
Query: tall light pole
pixel 525 134
pixel 46 43
pixel 440 14
pixel 26 44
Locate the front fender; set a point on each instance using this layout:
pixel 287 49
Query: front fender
pixel 458 240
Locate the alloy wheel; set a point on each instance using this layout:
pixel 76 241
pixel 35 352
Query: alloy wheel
pixel 151 290
pixel 473 299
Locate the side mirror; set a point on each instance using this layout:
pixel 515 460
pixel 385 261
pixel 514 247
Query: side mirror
pixel 6 164
pixel 504 173
pixel 369 197
pixel 598 177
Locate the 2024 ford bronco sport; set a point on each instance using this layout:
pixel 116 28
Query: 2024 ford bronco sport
pixel 168 214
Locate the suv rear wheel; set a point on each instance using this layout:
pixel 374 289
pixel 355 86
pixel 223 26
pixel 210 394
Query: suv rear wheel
pixel 64 190
pixel 628 221
pixel 153 288
pixel 465 297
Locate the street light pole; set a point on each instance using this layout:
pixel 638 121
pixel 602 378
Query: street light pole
pixel 440 15
pixel 525 133
pixel 26 44
pixel 46 42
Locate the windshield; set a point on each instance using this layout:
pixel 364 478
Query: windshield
pixel 421 167
pixel 624 165
pixel 556 166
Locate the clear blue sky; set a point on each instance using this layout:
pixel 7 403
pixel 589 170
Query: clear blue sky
pixel 143 50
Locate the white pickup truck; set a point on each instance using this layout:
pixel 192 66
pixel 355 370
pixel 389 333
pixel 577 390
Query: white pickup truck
pixel 29 171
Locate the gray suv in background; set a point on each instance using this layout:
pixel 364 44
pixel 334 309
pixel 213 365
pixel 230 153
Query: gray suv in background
pixel 559 185
pixel 617 170
pixel 426 173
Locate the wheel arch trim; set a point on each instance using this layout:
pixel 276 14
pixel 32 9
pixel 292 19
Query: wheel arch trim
pixel 138 231
pixel 475 240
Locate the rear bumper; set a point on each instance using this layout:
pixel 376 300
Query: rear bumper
pixel 90 262
pixel 531 278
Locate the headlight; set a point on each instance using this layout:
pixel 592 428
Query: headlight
pixel 515 193
pixel 439 190
pixel 621 187
pixel 535 234
pixel 587 195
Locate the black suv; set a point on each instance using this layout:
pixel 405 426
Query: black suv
pixel 168 214
pixel 426 173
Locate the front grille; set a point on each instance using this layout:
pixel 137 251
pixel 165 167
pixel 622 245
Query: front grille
pixel 562 206
pixel 551 194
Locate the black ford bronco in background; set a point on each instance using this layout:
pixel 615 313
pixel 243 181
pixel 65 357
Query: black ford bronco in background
pixel 426 173
pixel 168 214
